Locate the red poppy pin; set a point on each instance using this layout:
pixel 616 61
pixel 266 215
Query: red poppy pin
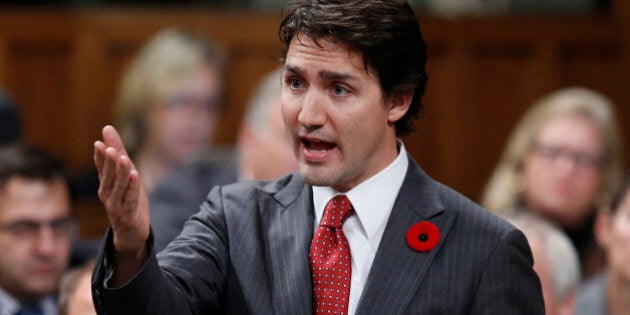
pixel 423 236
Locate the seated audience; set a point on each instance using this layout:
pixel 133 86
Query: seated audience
pixel 36 230
pixel 264 152
pixel 607 293
pixel 561 162
pixel 75 295
pixel 169 103
pixel 555 262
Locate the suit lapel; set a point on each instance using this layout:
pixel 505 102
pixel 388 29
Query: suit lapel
pixel 287 217
pixel 397 265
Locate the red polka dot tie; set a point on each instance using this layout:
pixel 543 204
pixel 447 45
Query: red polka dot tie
pixel 330 259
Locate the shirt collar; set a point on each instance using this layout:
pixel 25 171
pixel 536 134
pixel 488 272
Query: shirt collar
pixel 10 305
pixel 372 199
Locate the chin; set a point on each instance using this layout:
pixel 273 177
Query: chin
pixel 315 177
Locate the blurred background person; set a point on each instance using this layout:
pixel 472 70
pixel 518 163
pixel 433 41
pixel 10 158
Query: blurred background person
pixel 75 294
pixel 36 230
pixel 562 161
pixel 169 103
pixel 9 120
pixel 555 261
pixel 608 292
pixel 264 152
pixel 263 144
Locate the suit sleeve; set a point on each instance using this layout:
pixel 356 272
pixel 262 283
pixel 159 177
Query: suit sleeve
pixel 509 284
pixel 187 278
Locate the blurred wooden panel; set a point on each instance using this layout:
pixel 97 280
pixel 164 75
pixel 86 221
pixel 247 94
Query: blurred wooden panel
pixel 247 65
pixel 488 72
pixel 110 39
pixel 602 66
pixel 39 72
pixel 494 79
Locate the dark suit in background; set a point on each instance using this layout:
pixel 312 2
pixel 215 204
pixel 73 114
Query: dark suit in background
pixel 178 197
pixel 246 252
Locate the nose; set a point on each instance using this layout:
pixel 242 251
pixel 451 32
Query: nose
pixel 46 241
pixel 566 164
pixel 312 113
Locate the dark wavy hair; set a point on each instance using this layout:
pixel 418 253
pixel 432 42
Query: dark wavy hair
pixel 386 32
pixel 20 160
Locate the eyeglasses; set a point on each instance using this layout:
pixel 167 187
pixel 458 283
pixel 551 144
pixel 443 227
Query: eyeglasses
pixel 582 159
pixel 29 229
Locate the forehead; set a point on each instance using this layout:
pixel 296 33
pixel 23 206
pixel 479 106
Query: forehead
pixel 572 130
pixel 22 198
pixel 325 56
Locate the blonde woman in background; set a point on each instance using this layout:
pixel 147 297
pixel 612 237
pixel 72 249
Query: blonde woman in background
pixel 169 102
pixel 561 162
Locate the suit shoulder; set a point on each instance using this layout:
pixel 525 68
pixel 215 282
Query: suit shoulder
pixel 471 215
pixel 289 184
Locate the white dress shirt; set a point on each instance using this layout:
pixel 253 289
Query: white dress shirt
pixel 9 305
pixel 373 201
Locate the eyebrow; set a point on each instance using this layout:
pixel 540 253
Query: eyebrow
pixel 325 74
pixel 336 76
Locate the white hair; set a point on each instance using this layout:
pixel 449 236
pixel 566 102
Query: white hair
pixel 559 252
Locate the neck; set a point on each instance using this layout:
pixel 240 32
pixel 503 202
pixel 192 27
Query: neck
pixel 617 294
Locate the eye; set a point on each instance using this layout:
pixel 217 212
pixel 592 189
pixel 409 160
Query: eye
pixel 23 228
pixel 293 83
pixel 587 160
pixel 340 90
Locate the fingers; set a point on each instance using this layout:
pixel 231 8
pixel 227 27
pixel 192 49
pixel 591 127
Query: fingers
pixel 119 188
pixel 112 139
pixel 121 192
pixel 99 156
pixel 115 191
pixel 113 167
pixel 107 176
pixel 133 191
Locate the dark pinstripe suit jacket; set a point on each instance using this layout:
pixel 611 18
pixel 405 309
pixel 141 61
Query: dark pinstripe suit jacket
pixel 246 252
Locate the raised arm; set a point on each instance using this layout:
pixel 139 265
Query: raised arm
pixel 126 204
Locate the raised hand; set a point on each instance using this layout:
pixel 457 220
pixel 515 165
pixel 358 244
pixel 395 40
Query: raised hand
pixel 124 198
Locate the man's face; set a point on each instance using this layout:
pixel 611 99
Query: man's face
pixel 35 235
pixel 342 127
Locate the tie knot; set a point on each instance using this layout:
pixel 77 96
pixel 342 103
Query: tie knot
pixel 337 210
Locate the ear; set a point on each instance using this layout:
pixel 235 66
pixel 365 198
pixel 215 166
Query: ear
pixel 602 228
pixel 397 106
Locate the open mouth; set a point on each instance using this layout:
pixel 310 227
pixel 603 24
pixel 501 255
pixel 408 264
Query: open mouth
pixel 317 145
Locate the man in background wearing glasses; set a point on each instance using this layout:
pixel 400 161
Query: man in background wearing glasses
pixel 36 230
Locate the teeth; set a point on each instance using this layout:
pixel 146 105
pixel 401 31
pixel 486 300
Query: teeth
pixel 318 146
